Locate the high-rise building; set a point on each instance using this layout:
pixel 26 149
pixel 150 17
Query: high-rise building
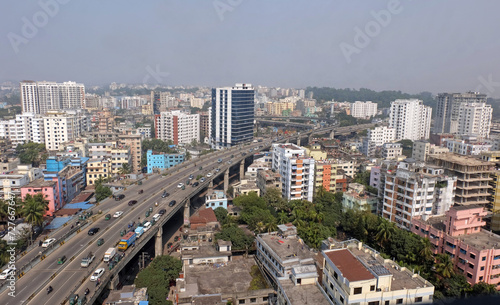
pixel 363 109
pixel 296 170
pixel 474 119
pixel 177 126
pixel 155 101
pixel 423 148
pixel 40 97
pixel 60 127
pixel 26 127
pixel 134 142
pixel 232 115
pixel 411 119
pixel 447 110
pixel 377 137
pixel 204 125
pixel 414 189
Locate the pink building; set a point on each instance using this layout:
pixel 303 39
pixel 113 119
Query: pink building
pixel 475 252
pixel 50 192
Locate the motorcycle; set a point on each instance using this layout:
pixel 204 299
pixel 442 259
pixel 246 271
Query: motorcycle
pixel 49 289
pixel 87 291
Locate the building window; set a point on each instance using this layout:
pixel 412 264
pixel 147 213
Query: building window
pixel 472 256
pixel 418 299
pixel 469 275
pixel 253 300
pixel 241 302
pixel 341 300
pixel 471 266
pixel 387 302
pixel 483 258
pixel 373 303
pixel 482 268
pixel 372 288
pixel 335 275
pixel 358 290
pixel 480 278
pixel 399 301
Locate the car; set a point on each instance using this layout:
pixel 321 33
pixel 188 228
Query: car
pixel 48 242
pixel 232 156
pixel 165 194
pixel 119 197
pixel 209 175
pixel 219 161
pixel 118 214
pixel 195 184
pixel 228 162
pixel 243 153
pixel 217 170
pixel 180 185
pixel 132 202
pixel 191 177
pixel 97 274
pixel 6 273
pixel 171 204
pixel 162 211
pixel 202 179
pixel 93 231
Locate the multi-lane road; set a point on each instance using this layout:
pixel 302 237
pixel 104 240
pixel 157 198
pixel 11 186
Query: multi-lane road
pixel 68 277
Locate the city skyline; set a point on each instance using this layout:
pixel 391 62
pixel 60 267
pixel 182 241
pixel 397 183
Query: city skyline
pixel 392 45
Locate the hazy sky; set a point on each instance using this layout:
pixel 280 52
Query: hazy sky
pixel 413 46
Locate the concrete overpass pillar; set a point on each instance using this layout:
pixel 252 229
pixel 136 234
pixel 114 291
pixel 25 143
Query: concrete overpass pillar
pixel 113 283
pixel 159 242
pixel 187 212
pixel 332 134
pixel 298 141
pixel 242 169
pixel 211 184
pixel 226 180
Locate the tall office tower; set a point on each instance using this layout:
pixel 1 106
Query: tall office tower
pixel 232 115
pixel 178 127
pixel 474 119
pixel 447 110
pixel 29 97
pixel 155 101
pixel 40 97
pixel 411 119
pixel 363 109
pixel 296 170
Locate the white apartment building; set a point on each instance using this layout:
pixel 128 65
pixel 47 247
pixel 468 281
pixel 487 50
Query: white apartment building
pixel 474 119
pixel 60 127
pixel 421 149
pixel 414 189
pixel 26 127
pixel 356 274
pixel 377 137
pixel 391 151
pixel 12 181
pixel 466 148
pixel 447 109
pixel 411 119
pixel 177 126
pixel 296 170
pixel 127 102
pixel 363 109
pixel 40 97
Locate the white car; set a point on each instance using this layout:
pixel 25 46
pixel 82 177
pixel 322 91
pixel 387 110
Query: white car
pixel 202 179
pixel 97 274
pixel 217 170
pixel 48 242
pixel 209 175
pixel 118 214
pixel 180 185
pixel 6 273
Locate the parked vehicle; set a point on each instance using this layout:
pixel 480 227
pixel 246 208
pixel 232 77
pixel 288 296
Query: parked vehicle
pixel 6 273
pixel 61 260
pixel 48 242
pixel 139 231
pixel 156 217
pixel 86 261
pixel 97 274
pixel 191 177
pixel 82 300
pixel 180 185
pixel 195 184
pixel 93 231
pixel 127 241
pixel 109 254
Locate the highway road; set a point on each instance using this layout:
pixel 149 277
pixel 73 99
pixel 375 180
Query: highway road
pixel 30 289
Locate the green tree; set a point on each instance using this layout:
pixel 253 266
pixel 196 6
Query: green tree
pixel 482 288
pixel 157 277
pixel 30 153
pixel 101 191
pixel 444 266
pixel 385 231
pixel 34 207
pixel 125 169
pixel 273 198
pixel 238 238
pixel 221 214
pixel 4 212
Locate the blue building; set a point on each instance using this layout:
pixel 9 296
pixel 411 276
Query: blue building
pixel 215 199
pixel 232 116
pixel 162 161
pixel 70 175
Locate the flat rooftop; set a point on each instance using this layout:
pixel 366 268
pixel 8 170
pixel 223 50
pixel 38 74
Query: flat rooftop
pixel 204 251
pixel 41 183
pixel 287 248
pixel 303 294
pixel 437 222
pixel 481 240
pixel 462 160
pixel 210 280
pixel 351 268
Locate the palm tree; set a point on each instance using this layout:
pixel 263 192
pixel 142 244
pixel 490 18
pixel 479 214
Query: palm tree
pixel 444 266
pixel 385 231
pixel 125 169
pixel 4 210
pixel 282 218
pixel 426 251
pixel 33 210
